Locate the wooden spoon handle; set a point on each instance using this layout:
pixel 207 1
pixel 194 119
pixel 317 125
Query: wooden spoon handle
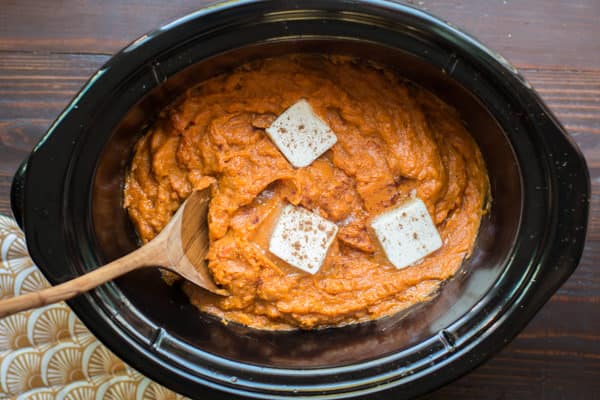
pixel 149 255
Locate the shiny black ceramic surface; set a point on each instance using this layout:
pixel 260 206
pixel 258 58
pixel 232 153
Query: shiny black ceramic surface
pixel 68 198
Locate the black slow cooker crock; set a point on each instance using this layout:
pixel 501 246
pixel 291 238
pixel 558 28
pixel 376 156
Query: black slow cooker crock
pixel 67 196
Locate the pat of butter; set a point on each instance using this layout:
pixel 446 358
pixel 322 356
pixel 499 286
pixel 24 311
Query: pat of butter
pixel 407 233
pixel 301 135
pixel 302 238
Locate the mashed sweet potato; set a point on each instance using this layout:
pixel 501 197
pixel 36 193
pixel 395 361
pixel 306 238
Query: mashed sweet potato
pixel 394 138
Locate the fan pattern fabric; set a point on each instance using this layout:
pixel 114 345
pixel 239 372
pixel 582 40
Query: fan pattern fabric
pixel 48 353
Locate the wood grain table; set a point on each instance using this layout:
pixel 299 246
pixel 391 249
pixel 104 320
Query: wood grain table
pixel 48 49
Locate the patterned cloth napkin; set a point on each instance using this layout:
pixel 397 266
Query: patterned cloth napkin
pixel 48 353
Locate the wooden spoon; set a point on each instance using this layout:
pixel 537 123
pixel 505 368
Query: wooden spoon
pixel 181 247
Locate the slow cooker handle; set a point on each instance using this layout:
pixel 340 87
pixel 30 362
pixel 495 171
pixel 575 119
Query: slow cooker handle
pixel 17 193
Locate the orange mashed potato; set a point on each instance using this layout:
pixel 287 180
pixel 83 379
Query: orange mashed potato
pixel 394 138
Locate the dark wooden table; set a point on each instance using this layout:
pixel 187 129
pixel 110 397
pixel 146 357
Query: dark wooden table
pixel 48 49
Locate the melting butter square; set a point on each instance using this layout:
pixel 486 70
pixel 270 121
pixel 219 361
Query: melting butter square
pixel 407 233
pixel 301 135
pixel 302 238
